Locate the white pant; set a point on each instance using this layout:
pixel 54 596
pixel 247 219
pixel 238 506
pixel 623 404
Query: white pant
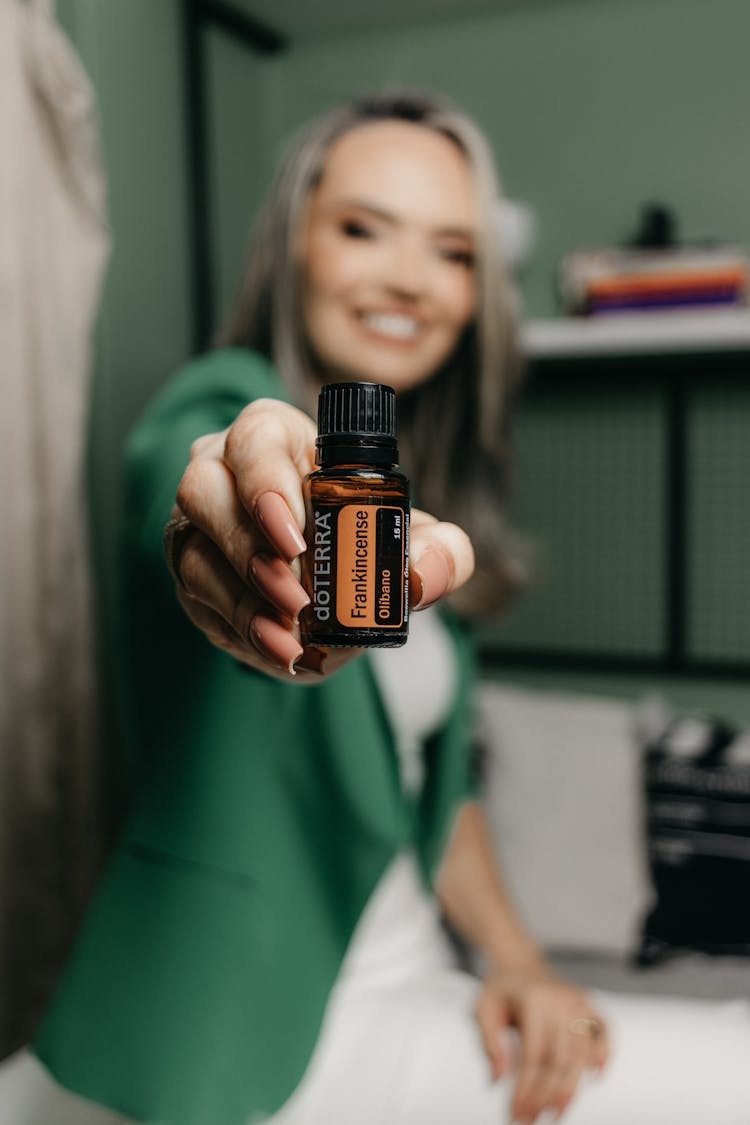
pixel 399 1046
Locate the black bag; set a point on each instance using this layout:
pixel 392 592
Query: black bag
pixel 698 833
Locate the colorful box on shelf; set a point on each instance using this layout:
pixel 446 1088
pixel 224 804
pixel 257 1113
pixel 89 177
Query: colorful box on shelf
pixel 617 281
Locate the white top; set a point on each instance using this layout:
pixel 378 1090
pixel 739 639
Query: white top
pixel 418 684
pixel 400 928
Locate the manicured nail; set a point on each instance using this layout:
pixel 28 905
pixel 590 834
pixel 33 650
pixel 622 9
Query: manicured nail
pixel 275 643
pixel 312 660
pixel 272 512
pixel 276 582
pixel 430 577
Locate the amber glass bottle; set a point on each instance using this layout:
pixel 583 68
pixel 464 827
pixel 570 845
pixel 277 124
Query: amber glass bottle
pixel 356 567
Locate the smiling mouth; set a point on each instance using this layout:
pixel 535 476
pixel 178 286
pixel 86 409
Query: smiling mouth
pixel 392 326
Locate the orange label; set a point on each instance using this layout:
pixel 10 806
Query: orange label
pixel 370 566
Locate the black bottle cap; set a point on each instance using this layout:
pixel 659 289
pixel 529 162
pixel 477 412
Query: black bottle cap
pixel 357 423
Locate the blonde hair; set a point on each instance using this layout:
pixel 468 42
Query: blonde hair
pixel 467 402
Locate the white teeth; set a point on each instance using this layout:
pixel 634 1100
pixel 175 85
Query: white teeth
pixel 392 324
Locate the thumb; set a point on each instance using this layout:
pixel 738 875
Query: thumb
pixel 441 559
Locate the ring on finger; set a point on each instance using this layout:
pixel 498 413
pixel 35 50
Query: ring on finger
pixel 174 536
pixel 587 1025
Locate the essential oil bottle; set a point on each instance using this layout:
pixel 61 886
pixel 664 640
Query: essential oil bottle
pixel 356 567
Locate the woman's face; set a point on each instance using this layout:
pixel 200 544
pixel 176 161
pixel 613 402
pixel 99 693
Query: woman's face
pixel 388 247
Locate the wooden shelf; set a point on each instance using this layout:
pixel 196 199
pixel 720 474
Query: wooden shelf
pixel 670 333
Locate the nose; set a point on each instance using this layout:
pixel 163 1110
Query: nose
pixel 409 269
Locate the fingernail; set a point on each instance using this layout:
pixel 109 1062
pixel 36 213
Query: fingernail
pixel 275 643
pixel 273 515
pixel 312 660
pixel 275 581
pixel 432 575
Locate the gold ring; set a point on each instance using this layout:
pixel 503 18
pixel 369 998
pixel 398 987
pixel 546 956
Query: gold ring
pixel 587 1025
pixel 173 540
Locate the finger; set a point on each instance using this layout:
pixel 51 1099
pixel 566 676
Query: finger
pixel 441 560
pixel 213 625
pixel 269 449
pixel 492 1017
pixel 275 643
pixel 273 516
pixel 208 578
pixel 575 1053
pixel 534 1052
pixel 313 665
pixel 275 581
pixel 317 661
pixel 243 486
pixel 565 1088
pixel 600 1051
pixel 592 1031
pixel 209 445
pixel 420 518
pixel 207 495
pixel 559 1091
pixel 568 1058
pixel 220 634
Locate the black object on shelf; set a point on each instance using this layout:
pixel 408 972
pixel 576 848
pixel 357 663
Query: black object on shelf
pixel 657 229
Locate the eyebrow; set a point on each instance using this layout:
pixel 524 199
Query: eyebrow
pixel 451 231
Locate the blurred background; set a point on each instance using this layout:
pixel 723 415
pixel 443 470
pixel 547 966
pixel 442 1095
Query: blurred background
pixel 632 436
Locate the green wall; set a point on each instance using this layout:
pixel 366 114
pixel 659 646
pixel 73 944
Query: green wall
pixel 242 132
pixel 131 50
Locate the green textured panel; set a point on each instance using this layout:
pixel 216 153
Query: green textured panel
pixel 719 583
pixel 592 487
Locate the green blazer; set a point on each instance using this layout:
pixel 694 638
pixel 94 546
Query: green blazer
pixel 262 816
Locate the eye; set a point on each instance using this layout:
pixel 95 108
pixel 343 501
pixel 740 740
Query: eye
pixel 461 256
pixel 355 228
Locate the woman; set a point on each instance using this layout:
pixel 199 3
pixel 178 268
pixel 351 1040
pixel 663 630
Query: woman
pixel 267 942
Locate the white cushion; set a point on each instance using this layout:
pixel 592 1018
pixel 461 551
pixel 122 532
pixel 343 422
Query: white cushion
pixel 564 806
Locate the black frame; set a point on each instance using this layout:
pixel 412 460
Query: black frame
pixel 674 374
pixel 199 16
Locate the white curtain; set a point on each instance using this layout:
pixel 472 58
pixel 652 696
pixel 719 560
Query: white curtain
pixel 53 248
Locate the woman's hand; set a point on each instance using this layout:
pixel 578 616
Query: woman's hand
pixel 560 1033
pixel 235 555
